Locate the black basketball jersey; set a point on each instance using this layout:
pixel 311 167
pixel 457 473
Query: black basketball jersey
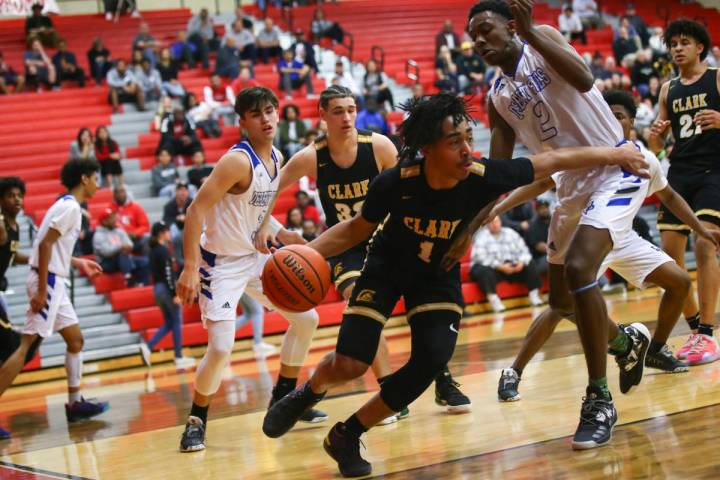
pixel 7 252
pixel 693 149
pixel 420 223
pixel 343 190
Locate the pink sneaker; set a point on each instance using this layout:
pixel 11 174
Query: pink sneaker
pixel 706 350
pixel 689 344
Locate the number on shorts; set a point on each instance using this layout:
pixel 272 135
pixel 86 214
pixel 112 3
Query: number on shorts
pixel 425 251
pixel 344 212
pixel 686 127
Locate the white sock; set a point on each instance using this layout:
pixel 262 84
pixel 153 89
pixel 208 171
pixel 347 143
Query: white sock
pixel 73 367
pixel 73 397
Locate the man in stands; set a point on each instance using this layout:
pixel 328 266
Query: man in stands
pixel 145 42
pixel 38 67
pixel 227 63
pixel 587 10
pixel 131 217
pixel 199 171
pixel 304 50
pixel 268 41
pixel 177 134
pixel 174 217
pixel 113 249
pixel 244 41
pixel 164 175
pixel 39 26
pixel 123 87
pixel 9 77
pixel 66 65
pixel 447 37
pixel 149 81
pixel 294 74
pixel 471 69
pixel 221 99
pixel 201 33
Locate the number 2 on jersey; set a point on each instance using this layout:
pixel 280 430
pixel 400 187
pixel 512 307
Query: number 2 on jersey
pixel 425 251
pixel 686 127
pixel 344 212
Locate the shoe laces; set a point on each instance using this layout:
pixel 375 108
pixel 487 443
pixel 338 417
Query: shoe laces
pixel 699 345
pixel 665 352
pixel 590 408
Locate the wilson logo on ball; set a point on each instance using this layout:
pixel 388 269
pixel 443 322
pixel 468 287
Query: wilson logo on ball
pixel 296 278
pixel 299 272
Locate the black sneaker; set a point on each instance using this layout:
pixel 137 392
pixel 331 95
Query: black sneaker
pixel 313 415
pixel 448 394
pixel 632 364
pixel 508 386
pixel 84 409
pixel 665 360
pixel 345 450
pixel 597 418
pixel 283 414
pixel 193 438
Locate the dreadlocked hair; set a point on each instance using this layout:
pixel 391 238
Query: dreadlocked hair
pixel 423 125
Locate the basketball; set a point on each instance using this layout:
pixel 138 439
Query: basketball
pixel 296 278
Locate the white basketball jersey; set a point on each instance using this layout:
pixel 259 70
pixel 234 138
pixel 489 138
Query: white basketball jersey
pixel 548 113
pixel 65 216
pixel 231 225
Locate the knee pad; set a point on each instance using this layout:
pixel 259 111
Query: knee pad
pixel 298 338
pixel 221 337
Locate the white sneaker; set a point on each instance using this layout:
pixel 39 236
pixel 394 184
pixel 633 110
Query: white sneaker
pixel 184 362
pixel 145 354
pixel 108 16
pixel 496 303
pixel 263 349
pixel 389 420
pixel 535 298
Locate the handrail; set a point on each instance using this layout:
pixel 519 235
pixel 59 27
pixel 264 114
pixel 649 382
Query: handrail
pixel 349 43
pixel 415 74
pixel 377 53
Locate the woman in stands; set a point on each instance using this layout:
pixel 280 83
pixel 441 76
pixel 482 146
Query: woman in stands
pixel 107 153
pixel 294 220
pixel 168 68
pixel 375 85
pixel 82 148
pixel 99 60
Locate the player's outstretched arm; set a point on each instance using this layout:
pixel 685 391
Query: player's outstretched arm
pixel 627 156
pixel 233 168
pixel 680 208
pixel 659 128
pixel 521 195
pixel 343 236
pixel 552 46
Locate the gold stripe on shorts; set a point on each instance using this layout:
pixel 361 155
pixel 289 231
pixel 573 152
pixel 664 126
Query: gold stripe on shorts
pixel 672 226
pixel 708 211
pixel 346 276
pixel 427 307
pixel 366 312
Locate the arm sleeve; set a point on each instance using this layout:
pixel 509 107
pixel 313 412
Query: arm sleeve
pixel 381 196
pixel 65 217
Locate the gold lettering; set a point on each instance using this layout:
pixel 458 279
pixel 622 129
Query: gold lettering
pixel 431 230
pixel 331 191
pixel 703 103
pixel 444 229
pixel 454 226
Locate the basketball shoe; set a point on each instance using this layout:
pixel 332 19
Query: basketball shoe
pixel 508 385
pixel 632 362
pixel 285 413
pixel 404 413
pixel 193 438
pixel 447 394
pixel 344 448
pixel 689 343
pixel 4 434
pixel 705 350
pixel 84 409
pixel 597 418
pixel 664 360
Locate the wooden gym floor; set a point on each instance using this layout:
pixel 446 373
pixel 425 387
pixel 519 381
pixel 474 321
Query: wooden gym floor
pixel 668 427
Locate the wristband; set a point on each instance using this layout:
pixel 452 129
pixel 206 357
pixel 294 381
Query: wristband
pixel 274 225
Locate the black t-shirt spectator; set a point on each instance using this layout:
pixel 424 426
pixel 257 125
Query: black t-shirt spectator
pixel 641 72
pixel 38 22
pixel 161 267
pixel 623 46
pixel 472 64
pixel 537 233
pixel 514 217
pixel 168 72
pixel 196 174
pixel 171 212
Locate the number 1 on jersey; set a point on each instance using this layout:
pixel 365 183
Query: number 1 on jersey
pixel 425 251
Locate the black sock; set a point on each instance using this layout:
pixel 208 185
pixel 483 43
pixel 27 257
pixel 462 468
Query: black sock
pixel 693 321
pixel 655 346
pixel 704 329
pixel 518 371
pixel 284 386
pixel 315 397
pixel 200 412
pixel 380 380
pixel 353 426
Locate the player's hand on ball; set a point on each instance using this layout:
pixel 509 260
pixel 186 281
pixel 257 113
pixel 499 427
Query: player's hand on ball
pixel 659 127
pixel 707 119
pixel 188 285
pixel 287 237
pixel 633 161
pixel 262 238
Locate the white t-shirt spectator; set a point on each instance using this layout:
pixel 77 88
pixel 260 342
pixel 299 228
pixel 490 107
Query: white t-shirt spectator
pixel 492 250
pixel 65 216
pixel 585 8
pixel 571 24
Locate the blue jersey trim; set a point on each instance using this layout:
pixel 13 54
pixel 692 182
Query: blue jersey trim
pixel 619 202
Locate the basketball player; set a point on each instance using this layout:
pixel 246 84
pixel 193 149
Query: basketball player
pixel 421 204
pixel 690 104
pixel 50 308
pixel 344 162
pixel 547 99
pixel 635 259
pixel 221 263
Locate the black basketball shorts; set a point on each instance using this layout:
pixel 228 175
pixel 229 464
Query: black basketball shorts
pixel 701 190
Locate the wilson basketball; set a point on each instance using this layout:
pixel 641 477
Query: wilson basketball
pixel 296 278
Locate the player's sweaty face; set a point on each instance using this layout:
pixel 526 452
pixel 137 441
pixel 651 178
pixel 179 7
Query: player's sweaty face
pixel 261 122
pixel 453 151
pixel 340 116
pixel 623 116
pixel 490 35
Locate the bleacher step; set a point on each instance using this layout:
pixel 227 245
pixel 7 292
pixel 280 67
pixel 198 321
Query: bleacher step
pixel 94 355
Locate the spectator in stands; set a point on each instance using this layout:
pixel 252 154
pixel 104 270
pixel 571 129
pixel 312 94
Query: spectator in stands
pixel 471 69
pixel 84 245
pixel 149 81
pixel 623 45
pixel 308 209
pixel 304 50
pixel 9 77
pixel 446 71
pixel 294 220
pixel 418 91
pixel 588 12
pixel 638 24
pixel 571 26
pixel 201 33
pixel 177 134
pixel 99 60
pixel 40 27
pixel 372 119
pixel 713 58
pixel 537 235
pixel 168 69
pixel 519 218
pixel 111 8
pixel 164 175
pixel 66 65
pixel 291 131
pixel 499 253
pixel 310 136
pixel 375 85
pixel 131 217
pixel 244 41
pixel 164 282
pixel 657 42
pixel 324 28
pixel 221 99
pixel 183 51
pixel 227 63
pixel 145 42
pixel 294 74
pixel 243 81
pixel 39 70
pixel 136 59
pixel 123 88
pixel 268 41
pixel 345 79
pixel 174 216
pixel 653 91
pixel 82 148
pixel 597 67
pixel 200 113
pixel 113 249
pixel 199 172
pixel 253 311
pixel 642 71
pixel 447 38
pixel 310 230
pixel 107 153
